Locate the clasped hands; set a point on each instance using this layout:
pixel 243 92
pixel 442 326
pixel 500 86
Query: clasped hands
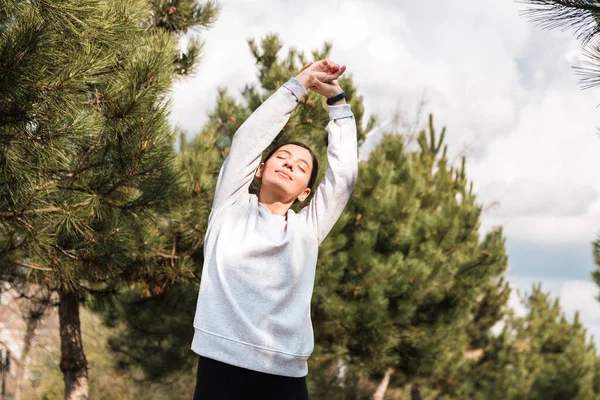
pixel 320 77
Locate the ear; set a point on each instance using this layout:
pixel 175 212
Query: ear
pixel 304 195
pixel 259 171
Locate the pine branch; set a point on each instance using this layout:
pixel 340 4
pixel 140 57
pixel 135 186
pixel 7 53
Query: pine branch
pixel 8 214
pixel 65 252
pixel 31 266
pixel 590 69
pixel 580 15
pixel 94 291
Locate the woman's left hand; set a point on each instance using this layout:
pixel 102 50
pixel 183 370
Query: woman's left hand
pixel 328 90
pixel 322 71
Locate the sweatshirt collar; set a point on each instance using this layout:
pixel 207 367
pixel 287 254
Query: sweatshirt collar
pixel 267 211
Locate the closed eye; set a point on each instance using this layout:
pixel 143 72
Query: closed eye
pixel 283 158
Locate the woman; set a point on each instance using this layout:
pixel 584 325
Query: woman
pixel 253 330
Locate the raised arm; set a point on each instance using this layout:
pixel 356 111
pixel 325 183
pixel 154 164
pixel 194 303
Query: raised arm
pixel 251 139
pixel 333 193
pixel 259 130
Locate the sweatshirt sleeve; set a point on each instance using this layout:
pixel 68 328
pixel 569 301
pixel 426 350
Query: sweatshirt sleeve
pixel 251 139
pixel 333 193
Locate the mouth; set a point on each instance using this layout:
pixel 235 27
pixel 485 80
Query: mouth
pixel 284 174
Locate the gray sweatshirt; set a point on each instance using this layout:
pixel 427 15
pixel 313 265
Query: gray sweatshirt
pixel 253 307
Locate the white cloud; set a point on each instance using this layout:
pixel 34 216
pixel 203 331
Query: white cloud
pixel 502 86
pixel 549 230
pixel 516 303
pixel 581 296
pixel 526 196
pixel 593 331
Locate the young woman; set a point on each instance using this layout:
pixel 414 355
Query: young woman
pixel 253 330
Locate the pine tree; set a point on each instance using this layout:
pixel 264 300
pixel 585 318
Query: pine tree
pixel 155 314
pixel 538 356
pixel 404 279
pixel 596 255
pixel 86 151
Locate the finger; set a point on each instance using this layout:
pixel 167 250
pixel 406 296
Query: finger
pixel 333 67
pixel 328 65
pixel 319 86
pixel 323 63
pixel 308 64
pixel 340 71
pixel 335 75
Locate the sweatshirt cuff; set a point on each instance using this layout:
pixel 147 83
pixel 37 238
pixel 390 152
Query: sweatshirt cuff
pixel 340 111
pixel 294 86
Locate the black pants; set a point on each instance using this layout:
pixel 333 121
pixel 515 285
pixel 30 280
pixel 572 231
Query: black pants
pixel 216 380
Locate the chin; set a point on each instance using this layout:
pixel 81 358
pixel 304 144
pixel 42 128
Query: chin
pixel 278 186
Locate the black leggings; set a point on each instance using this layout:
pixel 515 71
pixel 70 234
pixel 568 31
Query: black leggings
pixel 216 380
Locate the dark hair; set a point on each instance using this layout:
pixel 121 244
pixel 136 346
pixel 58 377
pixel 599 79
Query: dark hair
pixel 315 161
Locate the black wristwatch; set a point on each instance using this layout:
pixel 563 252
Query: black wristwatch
pixel 336 98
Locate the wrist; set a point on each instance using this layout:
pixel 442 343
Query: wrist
pixel 337 98
pixel 304 79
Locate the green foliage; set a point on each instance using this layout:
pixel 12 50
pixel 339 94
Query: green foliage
pixel 157 312
pixel 538 356
pixel 177 17
pixel 87 153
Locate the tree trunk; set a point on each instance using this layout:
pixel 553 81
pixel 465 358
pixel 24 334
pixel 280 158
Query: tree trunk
pixel 5 367
pixel 33 319
pixel 415 392
pixel 380 392
pixel 72 362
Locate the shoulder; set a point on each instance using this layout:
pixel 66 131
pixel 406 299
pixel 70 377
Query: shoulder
pixel 237 209
pixel 301 222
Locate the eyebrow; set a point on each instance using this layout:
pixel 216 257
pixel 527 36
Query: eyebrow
pixel 304 161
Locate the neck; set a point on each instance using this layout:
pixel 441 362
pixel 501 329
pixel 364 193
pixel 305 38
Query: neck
pixel 276 205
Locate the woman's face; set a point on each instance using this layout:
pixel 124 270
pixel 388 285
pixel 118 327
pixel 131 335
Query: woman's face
pixel 287 172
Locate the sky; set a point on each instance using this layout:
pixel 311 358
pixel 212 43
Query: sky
pixel 504 88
